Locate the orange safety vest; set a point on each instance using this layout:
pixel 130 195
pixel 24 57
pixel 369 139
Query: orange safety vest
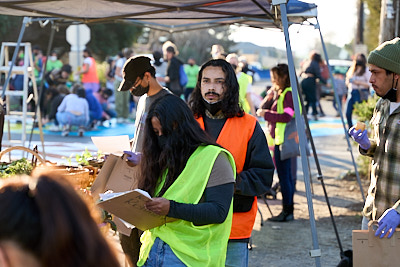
pixel 235 136
pixel 91 75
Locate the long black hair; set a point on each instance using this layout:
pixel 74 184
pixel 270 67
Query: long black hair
pixel 183 134
pixel 230 101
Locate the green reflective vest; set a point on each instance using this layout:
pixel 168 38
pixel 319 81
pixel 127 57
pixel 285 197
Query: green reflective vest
pixel 244 81
pixel 203 245
pixel 280 126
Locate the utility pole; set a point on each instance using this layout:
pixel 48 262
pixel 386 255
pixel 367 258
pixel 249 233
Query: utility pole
pixel 360 22
pixel 389 20
pixel 359 46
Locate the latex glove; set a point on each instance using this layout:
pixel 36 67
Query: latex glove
pixel 388 222
pixel 133 157
pixel 361 137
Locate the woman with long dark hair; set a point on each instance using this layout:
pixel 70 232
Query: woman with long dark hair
pixel 357 81
pixel 191 179
pixel 278 109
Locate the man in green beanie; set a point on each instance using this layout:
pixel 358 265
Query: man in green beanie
pixel 383 146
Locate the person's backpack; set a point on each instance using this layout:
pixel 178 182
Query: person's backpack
pixel 183 79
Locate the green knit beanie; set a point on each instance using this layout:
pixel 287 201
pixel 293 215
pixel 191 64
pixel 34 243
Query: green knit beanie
pixel 387 56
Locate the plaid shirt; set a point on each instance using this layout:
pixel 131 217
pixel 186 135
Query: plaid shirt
pixel 384 189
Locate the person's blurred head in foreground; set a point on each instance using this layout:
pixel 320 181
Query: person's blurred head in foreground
pixel 45 222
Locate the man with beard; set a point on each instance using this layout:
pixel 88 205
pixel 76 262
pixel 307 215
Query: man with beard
pixel 215 104
pixel 384 147
pixel 140 80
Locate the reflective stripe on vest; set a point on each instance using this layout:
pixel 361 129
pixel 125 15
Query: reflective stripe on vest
pixel 203 245
pixel 91 75
pixel 235 136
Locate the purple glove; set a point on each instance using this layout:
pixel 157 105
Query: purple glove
pixel 133 157
pixel 360 137
pixel 388 222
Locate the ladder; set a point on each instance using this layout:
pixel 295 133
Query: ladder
pixel 21 114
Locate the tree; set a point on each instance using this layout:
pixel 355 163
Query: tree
pixel 372 24
pixel 110 38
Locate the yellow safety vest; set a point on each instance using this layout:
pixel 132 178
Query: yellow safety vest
pixel 203 245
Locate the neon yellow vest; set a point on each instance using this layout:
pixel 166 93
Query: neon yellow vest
pixel 280 126
pixel 244 81
pixel 204 245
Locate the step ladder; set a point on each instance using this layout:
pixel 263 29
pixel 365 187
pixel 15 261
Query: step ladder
pixel 21 114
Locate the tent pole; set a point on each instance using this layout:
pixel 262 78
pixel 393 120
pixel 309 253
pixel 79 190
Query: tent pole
pixel 316 251
pixel 42 77
pixel 25 21
pixel 339 103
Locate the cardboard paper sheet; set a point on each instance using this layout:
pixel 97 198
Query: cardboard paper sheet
pixel 130 207
pixel 112 144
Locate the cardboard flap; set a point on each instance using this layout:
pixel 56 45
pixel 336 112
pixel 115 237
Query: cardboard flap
pixel 116 175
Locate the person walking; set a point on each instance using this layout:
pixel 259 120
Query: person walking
pixel 383 147
pixel 179 157
pixel 357 81
pixel 215 105
pixel 172 79
pixel 278 110
pixel 310 73
pixel 140 80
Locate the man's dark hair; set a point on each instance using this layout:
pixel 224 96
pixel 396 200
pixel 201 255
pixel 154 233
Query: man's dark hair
pixel 230 101
pixel 183 135
pixel 108 92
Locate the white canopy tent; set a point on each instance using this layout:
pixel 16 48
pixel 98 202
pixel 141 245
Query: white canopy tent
pixel 183 15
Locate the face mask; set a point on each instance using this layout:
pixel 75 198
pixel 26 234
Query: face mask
pixel 162 141
pixel 391 95
pixel 140 90
pixel 234 66
pixel 213 108
pixel 359 63
pixel 53 58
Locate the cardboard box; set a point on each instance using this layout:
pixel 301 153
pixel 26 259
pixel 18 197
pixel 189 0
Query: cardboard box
pixel 116 175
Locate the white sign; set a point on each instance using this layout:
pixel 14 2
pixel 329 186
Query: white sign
pixel 78 36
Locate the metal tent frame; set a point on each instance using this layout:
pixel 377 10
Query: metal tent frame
pixel 182 15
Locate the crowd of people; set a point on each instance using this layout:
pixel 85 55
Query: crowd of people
pixel 203 137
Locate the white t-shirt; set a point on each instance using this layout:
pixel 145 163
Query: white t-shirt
pixel 393 106
pixel 87 61
pixel 119 64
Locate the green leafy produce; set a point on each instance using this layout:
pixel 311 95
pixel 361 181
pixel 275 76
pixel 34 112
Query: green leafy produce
pixel 21 166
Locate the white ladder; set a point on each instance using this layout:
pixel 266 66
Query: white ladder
pixel 24 116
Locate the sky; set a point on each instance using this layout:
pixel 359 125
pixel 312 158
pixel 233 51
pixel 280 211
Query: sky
pixel 337 21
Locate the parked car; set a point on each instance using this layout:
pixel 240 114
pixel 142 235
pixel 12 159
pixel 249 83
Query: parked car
pixel 337 66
